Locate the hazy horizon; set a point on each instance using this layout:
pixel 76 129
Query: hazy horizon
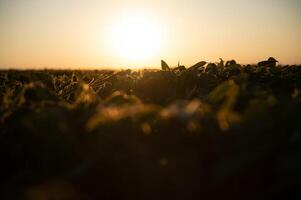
pixel 109 33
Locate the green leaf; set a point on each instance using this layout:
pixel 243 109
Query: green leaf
pixel 164 66
pixel 197 65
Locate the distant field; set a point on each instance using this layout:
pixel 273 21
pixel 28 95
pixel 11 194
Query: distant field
pixel 209 131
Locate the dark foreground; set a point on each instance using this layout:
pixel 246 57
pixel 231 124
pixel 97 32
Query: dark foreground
pixel 215 132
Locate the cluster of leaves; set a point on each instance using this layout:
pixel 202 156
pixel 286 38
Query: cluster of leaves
pixel 210 131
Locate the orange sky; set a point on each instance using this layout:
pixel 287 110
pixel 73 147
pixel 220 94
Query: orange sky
pixel 76 33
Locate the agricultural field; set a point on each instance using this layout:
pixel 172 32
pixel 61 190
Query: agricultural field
pixel 209 131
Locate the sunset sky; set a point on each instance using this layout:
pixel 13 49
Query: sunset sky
pixel 111 33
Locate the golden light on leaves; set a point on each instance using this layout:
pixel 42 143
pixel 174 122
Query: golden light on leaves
pixel 227 93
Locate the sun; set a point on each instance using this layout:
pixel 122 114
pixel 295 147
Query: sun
pixel 136 37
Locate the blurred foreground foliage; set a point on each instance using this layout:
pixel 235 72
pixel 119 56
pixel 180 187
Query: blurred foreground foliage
pixel 210 131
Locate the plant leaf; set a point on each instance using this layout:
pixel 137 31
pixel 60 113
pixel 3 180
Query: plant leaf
pixel 198 65
pixel 164 66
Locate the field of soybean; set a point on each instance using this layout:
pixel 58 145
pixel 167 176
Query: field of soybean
pixel 208 131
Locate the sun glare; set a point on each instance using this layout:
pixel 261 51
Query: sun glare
pixel 136 38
